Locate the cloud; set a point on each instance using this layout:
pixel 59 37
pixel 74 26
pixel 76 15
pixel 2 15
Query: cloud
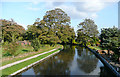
pixel 90 6
pixel 80 9
pixel 94 15
pixel 76 9
pixel 73 12
pixel 57 3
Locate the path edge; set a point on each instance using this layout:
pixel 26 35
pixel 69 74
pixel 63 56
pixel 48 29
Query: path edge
pixel 27 67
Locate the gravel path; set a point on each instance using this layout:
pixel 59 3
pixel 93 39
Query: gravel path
pixel 17 62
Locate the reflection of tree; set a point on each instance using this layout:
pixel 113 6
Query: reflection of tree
pixel 86 61
pixel 56 65
pixel 52 67
pixel 60 63
pixel 105 73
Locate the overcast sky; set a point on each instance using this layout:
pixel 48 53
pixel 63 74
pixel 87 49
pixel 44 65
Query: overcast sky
pixel 103 12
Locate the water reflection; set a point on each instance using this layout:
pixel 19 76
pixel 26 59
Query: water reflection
pixel 87 61
pixel 56 65
pixel 73 60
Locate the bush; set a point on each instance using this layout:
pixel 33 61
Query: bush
pixel 11 48
pixel 6 43
pixel 35 44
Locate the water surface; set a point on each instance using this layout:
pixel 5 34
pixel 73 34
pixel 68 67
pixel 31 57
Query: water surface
pixel 72 60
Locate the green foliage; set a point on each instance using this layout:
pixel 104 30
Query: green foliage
pixel 11 49
pixel 54 28
pixel 35 44
pixel 109 38
pixel 74 42
pixel 58 23
pixel 12 69
pixel 88 33
pixel 11 31
pixel 89 28
pixel 6 43
pixel 20 38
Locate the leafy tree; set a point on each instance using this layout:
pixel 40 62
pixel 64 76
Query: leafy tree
pixel 32 32
pixel 37 30
pixel 109 38
pixel 89 28
pixel 54 28
pixel 81 37
pixel 59 23
pixel 11 30
pixel 88 31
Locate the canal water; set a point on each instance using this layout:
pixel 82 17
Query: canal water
pixel 72 60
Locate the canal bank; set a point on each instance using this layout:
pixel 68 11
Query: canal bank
pixel 108 66
pixel 72 60
pixel 15 69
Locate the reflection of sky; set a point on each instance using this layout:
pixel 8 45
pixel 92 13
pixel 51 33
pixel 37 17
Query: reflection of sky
pixel 29 72
pixel 75 69
pixel 97 69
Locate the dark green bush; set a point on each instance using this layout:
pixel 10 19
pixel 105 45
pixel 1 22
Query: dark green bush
pixel 35 44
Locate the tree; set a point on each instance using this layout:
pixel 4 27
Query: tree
pixel 88 30
pixel 59 23
pixel 109 38
pixel 11 30
pixel 32 32
pixel 54 28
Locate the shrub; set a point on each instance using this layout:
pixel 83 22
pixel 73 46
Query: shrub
pixel 35 44
pixel 11 48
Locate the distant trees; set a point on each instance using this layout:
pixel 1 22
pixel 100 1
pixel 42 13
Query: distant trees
pixel 54 28
pixel 88 32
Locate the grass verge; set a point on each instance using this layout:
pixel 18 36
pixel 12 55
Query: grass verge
pixel 44 49
pixel 95 47
pixel 19 66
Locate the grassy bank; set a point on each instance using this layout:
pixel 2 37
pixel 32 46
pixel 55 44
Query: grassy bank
pixel 95 47
pixel 19 66
pixel 6 60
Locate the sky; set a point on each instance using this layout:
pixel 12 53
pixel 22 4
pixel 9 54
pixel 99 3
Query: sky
pixel 103 12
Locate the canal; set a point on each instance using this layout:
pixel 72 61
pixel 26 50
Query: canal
pixel 72 60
